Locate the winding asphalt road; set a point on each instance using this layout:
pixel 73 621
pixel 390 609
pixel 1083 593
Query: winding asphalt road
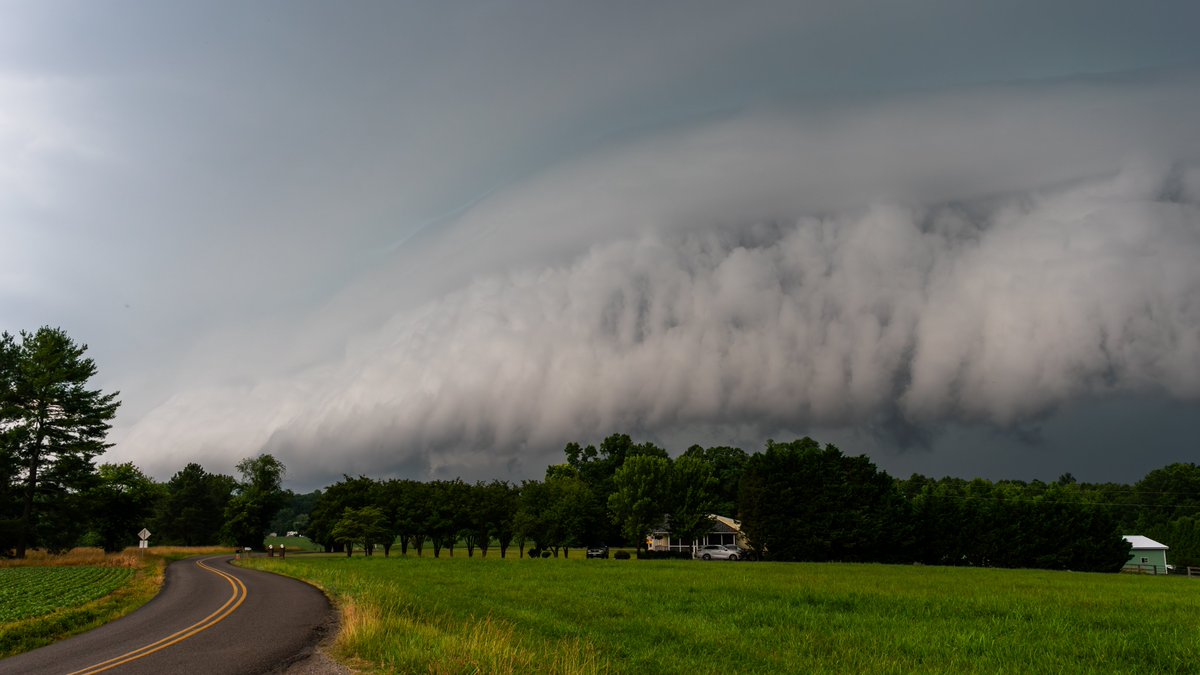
pixel 209 617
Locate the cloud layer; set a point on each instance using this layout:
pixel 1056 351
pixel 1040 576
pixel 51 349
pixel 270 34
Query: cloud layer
pixel 995 262
pixel 444 238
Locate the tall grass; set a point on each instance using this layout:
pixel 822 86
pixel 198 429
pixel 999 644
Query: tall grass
pixel 472 615
pixel 89 557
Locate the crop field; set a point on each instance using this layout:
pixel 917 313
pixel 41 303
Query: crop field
pixel 489 615
pixel 45 598
pixel 32 591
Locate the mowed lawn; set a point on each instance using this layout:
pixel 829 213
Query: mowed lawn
pixel 489 615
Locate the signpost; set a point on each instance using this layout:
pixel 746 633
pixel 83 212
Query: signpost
pixel 143 536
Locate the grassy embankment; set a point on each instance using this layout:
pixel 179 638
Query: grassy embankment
pixel 472 615
pixel 45 598
pixel 293 543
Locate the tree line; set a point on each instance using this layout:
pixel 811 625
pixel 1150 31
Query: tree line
pixel 54 497
pixel 796 500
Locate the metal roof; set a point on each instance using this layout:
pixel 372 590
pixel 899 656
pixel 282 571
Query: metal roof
pixel 1141 542
pixel 720 526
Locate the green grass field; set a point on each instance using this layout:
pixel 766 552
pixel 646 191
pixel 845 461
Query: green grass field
pixel 472 615
pixel 293 543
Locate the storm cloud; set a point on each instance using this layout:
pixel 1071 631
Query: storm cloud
pixel 443 239
pixel 961 258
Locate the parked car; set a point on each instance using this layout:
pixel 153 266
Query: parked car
pixel 716 552
pixel 598 552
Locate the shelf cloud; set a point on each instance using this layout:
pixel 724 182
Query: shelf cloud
pixel 966 256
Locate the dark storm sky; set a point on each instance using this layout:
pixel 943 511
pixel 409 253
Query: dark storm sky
pixel 438 239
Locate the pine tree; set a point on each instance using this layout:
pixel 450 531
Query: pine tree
pixel 51 425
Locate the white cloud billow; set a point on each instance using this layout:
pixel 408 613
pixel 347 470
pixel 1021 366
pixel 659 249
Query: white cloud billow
pixel 977 257
pixel 932 315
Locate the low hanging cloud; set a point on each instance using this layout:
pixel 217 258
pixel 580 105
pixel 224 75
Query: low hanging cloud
pixel 978 258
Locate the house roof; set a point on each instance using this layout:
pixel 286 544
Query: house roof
pixel 720 524
pixel 1141 542
pixel 730 524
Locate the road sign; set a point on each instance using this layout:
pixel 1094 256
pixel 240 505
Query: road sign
pixel 144 534
pixel 143 544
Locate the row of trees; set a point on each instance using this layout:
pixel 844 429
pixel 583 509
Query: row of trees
pixel 108 505
pixel 1164 505
pixel 797 500
pixel 439 514
pixel 804 502
pixel 52 494
pixel 609 493
pixel 613 492
pixel 617 492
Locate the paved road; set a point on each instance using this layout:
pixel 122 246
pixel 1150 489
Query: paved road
pixel 210 617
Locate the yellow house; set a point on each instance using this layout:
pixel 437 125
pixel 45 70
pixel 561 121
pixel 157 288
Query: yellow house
pixel 725 531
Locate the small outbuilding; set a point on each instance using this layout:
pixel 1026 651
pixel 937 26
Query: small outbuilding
pixel 1147 556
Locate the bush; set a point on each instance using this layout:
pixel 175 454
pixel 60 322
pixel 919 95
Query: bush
pixel 535 553
pixel 664 555
pixel 621 555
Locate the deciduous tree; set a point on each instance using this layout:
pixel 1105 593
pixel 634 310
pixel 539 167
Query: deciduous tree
pixel 691 498
pixel 366 526
pixel 502 500
pixel 334 500
pixel 259 494
pixel 449 511
pixel 192 510
pixel 638 503
pixel 120 504
pixel 727 466
pixel 597 467
pixel 800 501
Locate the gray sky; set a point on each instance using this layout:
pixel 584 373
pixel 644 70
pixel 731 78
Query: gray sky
pixel 438 239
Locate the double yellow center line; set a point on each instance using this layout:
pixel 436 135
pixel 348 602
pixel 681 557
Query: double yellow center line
pixel 235 600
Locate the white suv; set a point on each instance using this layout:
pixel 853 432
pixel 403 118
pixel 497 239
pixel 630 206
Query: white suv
pixel 716 552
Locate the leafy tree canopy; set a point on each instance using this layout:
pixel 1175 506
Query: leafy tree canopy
pixel 258 496
pixel 120 504
pixel 192 509
pixel 365 527
pixel 637 503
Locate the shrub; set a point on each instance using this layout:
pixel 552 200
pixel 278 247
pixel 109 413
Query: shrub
pixel 664 555
pixel 621 555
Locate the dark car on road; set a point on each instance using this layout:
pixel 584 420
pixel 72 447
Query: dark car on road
pixel 597 552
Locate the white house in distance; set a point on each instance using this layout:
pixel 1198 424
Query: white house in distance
pixel 725 531
pixel 1147 556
